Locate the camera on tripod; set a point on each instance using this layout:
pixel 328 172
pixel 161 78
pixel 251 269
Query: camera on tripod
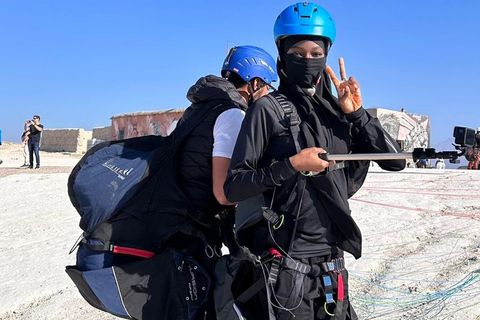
pixel 467 141
pixel 464 137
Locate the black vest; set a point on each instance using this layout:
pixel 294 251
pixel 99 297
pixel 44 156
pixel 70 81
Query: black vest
pixel 195 165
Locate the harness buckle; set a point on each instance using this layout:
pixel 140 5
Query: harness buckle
pixel 335 265
pixel 269 255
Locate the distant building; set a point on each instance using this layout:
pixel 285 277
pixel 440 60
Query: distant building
pixel 76 140
pixel 137 124
pixel 410 130
pixel 65 140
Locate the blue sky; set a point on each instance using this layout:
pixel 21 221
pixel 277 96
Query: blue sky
pixel 77 63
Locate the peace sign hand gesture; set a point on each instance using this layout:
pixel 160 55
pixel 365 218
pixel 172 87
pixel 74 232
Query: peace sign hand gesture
pixel 348 91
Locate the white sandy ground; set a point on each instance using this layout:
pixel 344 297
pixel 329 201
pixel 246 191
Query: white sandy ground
pixel 421 243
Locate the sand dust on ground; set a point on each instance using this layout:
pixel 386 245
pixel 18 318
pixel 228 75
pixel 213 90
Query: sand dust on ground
pixel 421 243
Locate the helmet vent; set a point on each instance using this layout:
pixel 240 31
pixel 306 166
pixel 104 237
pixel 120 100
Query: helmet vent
pixel 304 18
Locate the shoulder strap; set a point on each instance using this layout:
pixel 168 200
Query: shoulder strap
pixel 290 116
pixel 293 120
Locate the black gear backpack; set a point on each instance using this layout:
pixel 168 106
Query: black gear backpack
pixel 129 202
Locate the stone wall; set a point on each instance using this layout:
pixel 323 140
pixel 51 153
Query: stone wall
pixel 412 130
pixel 65 140
pixel 102 133
pixel 408 129
pixel 138 124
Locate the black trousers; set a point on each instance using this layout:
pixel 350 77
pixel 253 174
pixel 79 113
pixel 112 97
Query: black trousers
pixel 296 295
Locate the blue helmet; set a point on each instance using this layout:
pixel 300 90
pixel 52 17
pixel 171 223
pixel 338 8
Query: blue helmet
pixel 250 62
pixel 304 18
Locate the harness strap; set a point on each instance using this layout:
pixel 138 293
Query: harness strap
pixel 110 247
pixel 336 265
pixel 251 291
pixel 296 265
pixel 324 270
pixel 254 289
pixel 291 117
pixel 274 271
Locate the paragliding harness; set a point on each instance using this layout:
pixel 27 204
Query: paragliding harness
pixel 272 261
pixel 130 205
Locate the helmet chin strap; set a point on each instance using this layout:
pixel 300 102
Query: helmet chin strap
pixel 250 93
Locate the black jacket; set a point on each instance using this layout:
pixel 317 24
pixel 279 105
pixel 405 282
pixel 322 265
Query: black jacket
pixel 195 154
pixel 260 163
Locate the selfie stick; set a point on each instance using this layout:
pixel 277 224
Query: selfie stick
pixel 418 153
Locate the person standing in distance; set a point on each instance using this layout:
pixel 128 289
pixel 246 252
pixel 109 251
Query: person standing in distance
pixel 25 148
pixel 35 129
pixel 306 216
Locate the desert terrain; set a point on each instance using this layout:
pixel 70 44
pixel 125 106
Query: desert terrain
pixel 421 243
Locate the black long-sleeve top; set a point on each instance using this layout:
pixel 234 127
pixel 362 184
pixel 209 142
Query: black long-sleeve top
pixel 260 164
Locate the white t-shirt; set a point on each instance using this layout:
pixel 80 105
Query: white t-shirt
pixel 225 132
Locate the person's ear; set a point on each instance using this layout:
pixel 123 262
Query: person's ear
pixel 258 84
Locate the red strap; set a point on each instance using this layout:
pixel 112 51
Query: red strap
pixel 275 253
pixel 133 252
pixel 340 293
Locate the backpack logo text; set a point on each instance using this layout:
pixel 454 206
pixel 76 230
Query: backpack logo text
pixel 121 173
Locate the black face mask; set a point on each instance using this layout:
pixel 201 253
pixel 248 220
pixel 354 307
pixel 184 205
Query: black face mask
pixel 303 72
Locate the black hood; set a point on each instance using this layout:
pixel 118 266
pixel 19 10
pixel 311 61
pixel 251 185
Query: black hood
pixel 214 88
